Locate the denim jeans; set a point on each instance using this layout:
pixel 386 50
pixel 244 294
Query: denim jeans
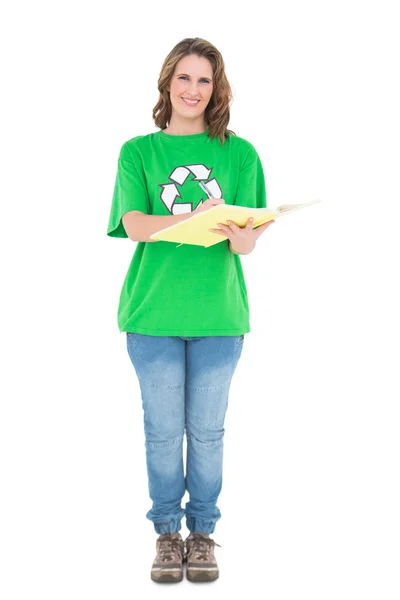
pixel 184 383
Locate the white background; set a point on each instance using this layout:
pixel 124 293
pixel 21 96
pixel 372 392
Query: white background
pixel 311 473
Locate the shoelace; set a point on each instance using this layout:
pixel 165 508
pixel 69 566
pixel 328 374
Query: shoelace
pixel 167 548
pixel 201 546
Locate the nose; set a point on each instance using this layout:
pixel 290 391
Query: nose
pixel 192 90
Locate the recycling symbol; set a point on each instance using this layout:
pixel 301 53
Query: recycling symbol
pixel 170 191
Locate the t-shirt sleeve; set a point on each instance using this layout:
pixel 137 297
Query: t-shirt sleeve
pixel 130 193
pixel 251 190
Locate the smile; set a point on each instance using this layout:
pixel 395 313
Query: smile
pixel 190 102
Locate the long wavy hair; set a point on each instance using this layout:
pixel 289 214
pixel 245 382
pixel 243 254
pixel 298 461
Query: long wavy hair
pixel 217 112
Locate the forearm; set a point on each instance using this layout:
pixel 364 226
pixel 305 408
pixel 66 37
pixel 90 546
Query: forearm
pixel 240 253
pixel 143 226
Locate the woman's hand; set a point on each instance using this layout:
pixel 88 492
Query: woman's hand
pixel 209 203
pixel 242 239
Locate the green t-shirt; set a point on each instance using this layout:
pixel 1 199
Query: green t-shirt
pixel 185 290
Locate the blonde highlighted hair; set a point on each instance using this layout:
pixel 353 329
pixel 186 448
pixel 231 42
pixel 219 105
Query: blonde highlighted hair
pixel 217 112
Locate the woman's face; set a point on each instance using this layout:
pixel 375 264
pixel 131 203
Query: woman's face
pixel 192 80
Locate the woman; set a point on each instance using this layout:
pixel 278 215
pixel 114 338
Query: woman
pixel 184 309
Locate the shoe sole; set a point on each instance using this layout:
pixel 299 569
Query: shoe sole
pixel 199 576
pixel 167 578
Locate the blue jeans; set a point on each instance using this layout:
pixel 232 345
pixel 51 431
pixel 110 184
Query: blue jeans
pixel 184 384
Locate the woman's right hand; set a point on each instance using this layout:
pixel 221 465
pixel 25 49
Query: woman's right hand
pixel 208 204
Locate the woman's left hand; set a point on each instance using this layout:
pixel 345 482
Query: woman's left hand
pixel 242 239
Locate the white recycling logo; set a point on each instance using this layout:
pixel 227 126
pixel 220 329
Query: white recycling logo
pixel 178 176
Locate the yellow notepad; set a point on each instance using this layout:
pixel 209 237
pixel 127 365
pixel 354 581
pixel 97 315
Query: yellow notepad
pixel 194 230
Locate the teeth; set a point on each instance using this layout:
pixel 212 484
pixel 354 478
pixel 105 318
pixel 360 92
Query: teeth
pixel 190 101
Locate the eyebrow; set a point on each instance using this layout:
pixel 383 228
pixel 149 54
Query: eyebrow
pixel 203 77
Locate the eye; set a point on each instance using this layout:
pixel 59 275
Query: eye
pixel 185 77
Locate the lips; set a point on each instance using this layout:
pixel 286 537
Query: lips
pixel 189 102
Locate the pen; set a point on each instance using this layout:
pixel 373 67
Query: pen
pixel 205 189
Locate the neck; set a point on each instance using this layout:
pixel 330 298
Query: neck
pixel 184 127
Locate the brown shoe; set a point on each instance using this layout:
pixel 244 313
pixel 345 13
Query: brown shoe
pixel 201 562
pixel 167 566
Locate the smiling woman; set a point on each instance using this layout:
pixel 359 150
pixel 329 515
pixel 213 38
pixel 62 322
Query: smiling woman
pixel 185 309
pixel 195 94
